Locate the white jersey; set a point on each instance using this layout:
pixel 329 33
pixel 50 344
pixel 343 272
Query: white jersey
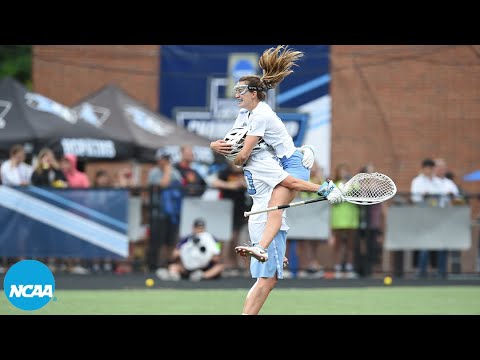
pixel 442 187
pixel 14 176
pixel 262 173
pixel 264 122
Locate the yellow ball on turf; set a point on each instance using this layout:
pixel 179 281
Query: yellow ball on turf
pixel 149 282
pixel 387 280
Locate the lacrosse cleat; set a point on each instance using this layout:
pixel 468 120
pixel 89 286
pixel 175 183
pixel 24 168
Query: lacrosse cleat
pixel 256 251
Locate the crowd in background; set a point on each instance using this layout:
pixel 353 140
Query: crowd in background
pixel 356 231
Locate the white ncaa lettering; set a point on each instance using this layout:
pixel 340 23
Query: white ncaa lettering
pixel 30 291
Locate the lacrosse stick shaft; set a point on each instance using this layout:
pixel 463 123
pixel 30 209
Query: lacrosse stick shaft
pixel 280 207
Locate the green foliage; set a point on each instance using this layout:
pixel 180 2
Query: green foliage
pixel 16 61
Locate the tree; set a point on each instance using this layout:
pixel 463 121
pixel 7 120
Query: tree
pixel 16 61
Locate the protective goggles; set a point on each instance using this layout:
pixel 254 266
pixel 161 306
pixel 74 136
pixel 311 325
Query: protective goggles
pixel 242 89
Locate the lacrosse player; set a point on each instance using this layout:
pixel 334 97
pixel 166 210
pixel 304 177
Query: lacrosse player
pixel 264 125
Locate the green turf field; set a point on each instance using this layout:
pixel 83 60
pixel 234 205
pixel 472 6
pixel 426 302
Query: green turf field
pixel 455 300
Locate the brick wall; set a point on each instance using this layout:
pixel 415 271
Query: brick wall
pixel 395 105
pixel 68 73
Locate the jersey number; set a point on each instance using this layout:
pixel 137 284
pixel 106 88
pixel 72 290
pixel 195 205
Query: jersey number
pixel 249 180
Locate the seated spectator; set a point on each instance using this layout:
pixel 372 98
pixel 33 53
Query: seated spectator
pixel 47 171
pixel 196 257
pixel 75 177
pixel 124 178
pixel 15 171
pixel 102 179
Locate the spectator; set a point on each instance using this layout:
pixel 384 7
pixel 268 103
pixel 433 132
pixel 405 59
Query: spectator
pixel 345 219
pixel 425 190
pixel 192 181
pixel 196 257
pixel 165 217
pixel 124 178
pixel 463 197
pixel 47 171
pixel 449 190
pixel 425 184
pixel 449 195
pixel 231 183
pixel 15 171
pixel 102 179
pixel 75 178
pixel 219 164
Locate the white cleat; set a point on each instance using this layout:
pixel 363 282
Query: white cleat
pixel 253 251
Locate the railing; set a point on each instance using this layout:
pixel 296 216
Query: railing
pixel 121 223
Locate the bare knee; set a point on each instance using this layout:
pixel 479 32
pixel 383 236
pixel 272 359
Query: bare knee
pixel 280 196
pixel 268 283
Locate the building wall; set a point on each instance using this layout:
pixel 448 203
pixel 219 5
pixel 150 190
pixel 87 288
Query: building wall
pixel 69 73
pixel 396 104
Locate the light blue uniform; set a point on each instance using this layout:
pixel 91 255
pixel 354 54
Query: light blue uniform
pixel 264 122
pixel 262 173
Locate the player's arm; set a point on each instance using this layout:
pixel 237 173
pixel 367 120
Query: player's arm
pixel 244 154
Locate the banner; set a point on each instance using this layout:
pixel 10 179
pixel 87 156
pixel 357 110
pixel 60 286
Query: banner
pixel 196 83
pixel 41 222
pixel 418 227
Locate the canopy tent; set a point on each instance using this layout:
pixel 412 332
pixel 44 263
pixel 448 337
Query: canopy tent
pixel 127 120
pixel 36 121
pixel 473 176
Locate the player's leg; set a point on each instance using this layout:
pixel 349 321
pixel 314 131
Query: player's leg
pixel 258 294
pixel 267 273
pixel 281 195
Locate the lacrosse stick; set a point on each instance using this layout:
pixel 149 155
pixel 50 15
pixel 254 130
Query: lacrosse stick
pixel 362 189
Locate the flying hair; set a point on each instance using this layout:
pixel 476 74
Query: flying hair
pixel 277 64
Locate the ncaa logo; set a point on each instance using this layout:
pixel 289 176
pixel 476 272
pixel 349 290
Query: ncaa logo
pixel 29 285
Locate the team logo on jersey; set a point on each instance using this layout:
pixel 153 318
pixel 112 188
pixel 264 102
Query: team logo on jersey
pixel 249 180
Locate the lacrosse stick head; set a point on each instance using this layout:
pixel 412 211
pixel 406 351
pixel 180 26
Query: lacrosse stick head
pixel 236 138
pixel 369 188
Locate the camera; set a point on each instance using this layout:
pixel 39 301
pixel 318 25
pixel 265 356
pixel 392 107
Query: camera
pixel 196 241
